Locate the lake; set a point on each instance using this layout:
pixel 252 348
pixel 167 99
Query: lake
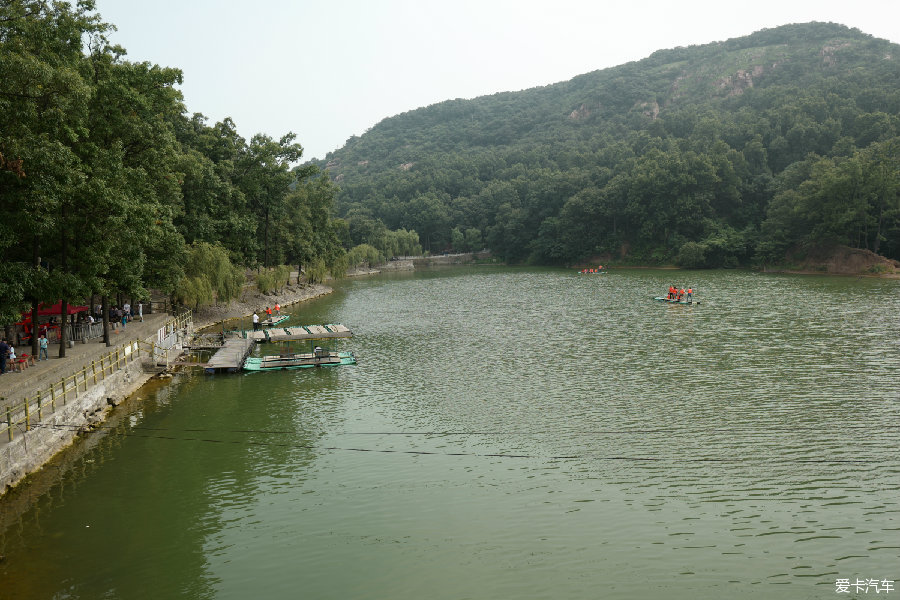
pixel 507 433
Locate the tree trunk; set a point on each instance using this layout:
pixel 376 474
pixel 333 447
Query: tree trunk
pixel 106 321
pixel 63 327
pixel 64 304
pixel 35 329
pixel 266 235
pixel 36 263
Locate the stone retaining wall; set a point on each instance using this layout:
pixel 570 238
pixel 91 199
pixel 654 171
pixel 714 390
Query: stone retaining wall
pixel 52 432
pixel 30 450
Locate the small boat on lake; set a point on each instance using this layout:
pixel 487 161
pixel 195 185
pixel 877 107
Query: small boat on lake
pixel 274 320
pixel 674 301
pixel 303 360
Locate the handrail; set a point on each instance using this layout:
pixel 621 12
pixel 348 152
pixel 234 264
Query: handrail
pixel 16 415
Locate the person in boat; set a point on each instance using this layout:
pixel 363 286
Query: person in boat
pixel 680 294
pixel 690 294
pixel 277 309
pixel 671 292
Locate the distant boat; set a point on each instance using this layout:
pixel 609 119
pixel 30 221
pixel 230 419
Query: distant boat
pixel 671 301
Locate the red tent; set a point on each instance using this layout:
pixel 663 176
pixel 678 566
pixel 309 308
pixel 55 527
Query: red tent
pixel 56 309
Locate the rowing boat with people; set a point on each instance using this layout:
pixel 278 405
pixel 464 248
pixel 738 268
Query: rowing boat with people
pixel 675 300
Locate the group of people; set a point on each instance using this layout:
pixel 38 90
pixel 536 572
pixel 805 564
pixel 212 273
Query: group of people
pixel 592 270
pixel 680 294
pixel 10 361
pixel 269 312
pixel 120 315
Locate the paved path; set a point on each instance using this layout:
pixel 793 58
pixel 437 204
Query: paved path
pixel 15 386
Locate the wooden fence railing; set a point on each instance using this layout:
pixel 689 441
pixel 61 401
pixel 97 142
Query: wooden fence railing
pixel 21 415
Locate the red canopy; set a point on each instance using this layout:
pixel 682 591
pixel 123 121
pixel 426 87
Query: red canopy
pixel 56 309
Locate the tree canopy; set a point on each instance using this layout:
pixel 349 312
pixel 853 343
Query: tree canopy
pixel 110 187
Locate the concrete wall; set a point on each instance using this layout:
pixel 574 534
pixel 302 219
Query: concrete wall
pixel 30 450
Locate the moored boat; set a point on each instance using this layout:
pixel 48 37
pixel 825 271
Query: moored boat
pixel 274 320
pixel 303 360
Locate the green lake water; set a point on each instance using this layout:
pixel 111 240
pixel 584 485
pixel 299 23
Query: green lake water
pixel 510 434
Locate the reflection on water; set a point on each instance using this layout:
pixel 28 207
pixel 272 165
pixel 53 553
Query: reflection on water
pixel 507 433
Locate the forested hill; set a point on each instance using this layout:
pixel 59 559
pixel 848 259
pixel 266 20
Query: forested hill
pixel 719 154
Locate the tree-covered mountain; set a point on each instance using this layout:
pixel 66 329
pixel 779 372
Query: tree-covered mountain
pixel 713 155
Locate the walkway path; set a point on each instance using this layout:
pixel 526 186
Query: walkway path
pixel 15 386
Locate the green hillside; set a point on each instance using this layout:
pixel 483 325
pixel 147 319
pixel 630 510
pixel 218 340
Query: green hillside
pixel 715 155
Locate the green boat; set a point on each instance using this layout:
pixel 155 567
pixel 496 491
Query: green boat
pixel 274 320
pixel 671 301
pixel 304 360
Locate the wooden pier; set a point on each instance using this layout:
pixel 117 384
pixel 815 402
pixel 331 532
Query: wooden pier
pixel 231 356
pixel 296 333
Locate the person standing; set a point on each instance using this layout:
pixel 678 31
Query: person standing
pixel 255 321
pixel 12 359
pixel 4 354
pixel 690 294
pixel 42 347
pixel 141 311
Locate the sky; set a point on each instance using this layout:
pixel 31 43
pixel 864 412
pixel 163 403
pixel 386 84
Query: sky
pixel 331 69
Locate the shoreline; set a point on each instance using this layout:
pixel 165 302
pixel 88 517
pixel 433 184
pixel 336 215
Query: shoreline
pixel 252 300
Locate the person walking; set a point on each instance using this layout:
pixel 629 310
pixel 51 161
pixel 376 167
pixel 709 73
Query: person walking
pixel 42 347
pixel 141 311
pixel 4 354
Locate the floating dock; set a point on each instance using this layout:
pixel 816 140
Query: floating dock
pixel 231 356
pixel 307 332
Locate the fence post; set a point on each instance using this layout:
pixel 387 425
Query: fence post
pixel 94 370
pixel 27 416
pixel 9 427
pixel 53 397
pixel 40 409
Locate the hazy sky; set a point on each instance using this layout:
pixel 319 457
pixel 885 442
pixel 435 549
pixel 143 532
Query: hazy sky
pixel 330 69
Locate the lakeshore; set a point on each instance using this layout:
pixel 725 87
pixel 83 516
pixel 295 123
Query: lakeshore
pixel 94 405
